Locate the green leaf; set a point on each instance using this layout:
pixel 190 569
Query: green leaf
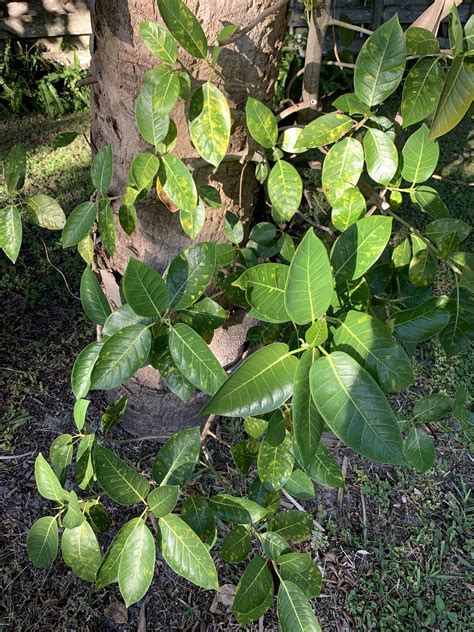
pixel 351 104
pixel 186 554
pixel 107 226
pixel 82 369
pixel 423 267
pixel 177 183
pixel 324 469
pixel 355 408
pixel 255 427
pixel 276 431
pixel 184 27
pixel 192 223
pixel 317 333
pixel 447 234
pixel 102 169
pixel 15 169
pixel 84 464
pixel 359 247
pixel 371 343
pixel 349 207
pixel 46 212
pixel 264 287
pixel 209 123
pixel 236 545
pixel 469 33
pixel 263 382
pixel 79 224
pixel 324 130
pixel 81 552
pixel 421 90
pixel 46 480
pixel 300 569
pixel 63 139
pixel 109 569
pixel 420 156
pixel 190 273
pixel 236 510
pixel 381 156
pixel 429 201
pixel 150 123
pixel 144 289
pixel 137 564
pixel 307 422
pixel 123 317
pixel 161 359
pixel 261 123
pixel 431 408
pixel 423 321
pixel 128 218
pixel 10 231
pixel 243 456
pixel 74 516
pixel 420 41
pixel 292 525
pixel 294 610
pixel 210 196
pixel 197 514
pixel 42 542
pixel 143 169
pixel 285 189
pixel 419 450
pixel 455 31
pixel 114 413
pixel 159 41
pixel 120 357
pixel 176 460
pixel 273 545
pixel 459 332
pixel 195 359
pixel 233 228
pixel 117 479
pixel 310 283
pixel 299 485
pixel 60 454
pixel 162 500
pixel 380 63
pixel 97 516
pixel 274 464
pixel 93 299
pixel 342 168
pixel 254 592
pixel 165 93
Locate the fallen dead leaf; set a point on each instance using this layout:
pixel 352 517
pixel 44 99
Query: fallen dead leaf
pixel 116 611
pixel 142 620
pixel 225 596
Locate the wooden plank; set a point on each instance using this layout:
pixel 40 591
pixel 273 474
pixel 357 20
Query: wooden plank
pixel 46 25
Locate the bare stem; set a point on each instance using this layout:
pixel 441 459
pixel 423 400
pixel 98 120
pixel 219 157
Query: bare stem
pixel 297 107
pixel 350 27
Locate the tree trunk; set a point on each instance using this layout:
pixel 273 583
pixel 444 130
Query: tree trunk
pixel 119 60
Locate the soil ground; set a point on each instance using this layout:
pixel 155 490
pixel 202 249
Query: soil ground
pixel 396 550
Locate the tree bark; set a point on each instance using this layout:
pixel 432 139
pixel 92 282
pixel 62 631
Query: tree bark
pixel 119 61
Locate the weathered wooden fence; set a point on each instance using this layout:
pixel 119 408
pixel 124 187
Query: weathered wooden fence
pixel 60 24
pixel 57 24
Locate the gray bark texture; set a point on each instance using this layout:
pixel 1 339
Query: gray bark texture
pixel 119 61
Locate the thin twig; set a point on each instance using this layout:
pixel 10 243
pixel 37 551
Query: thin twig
pixel 339 64
pixel 297 107
pixel 351 27
pixel 13 457
pixel 207 428
pixel 251 25
pixel 296 504
pixel 58 270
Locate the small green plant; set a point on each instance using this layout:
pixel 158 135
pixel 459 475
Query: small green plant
pixel 30 82
pixel 340 314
